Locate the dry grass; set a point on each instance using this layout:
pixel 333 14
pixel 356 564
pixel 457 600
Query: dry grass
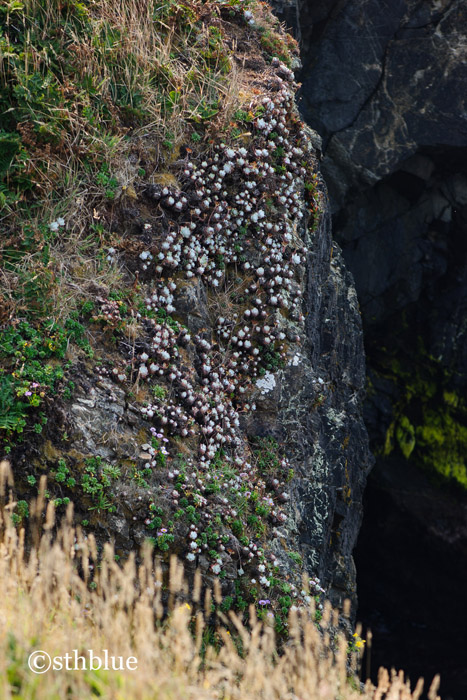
pixel 64 595
pixel 149 61
pixel 130 81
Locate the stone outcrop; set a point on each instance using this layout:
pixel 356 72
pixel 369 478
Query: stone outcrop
pixel 385 86
pixel 221 411
pixel 380 83
pixel 312 407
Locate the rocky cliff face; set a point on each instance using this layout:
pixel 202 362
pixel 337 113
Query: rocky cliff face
pixel 309 409
pixel 214 403
pixel 383 87
pixel 384 84
pixel 380 83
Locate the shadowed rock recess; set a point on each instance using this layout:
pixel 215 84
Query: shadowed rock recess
pixel 384 84
pixel 211 374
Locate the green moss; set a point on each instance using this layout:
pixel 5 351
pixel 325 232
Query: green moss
pixel 451 398
pixel 429 418
pixel 442 442
pixel 405 436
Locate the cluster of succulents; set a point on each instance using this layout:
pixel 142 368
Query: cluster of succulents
pixel 235 192
pixel 109 313
pixel 236 216
pixel 111 254
pixel 221 494
pixel 229 216
pixel 162 295
pixel 56 225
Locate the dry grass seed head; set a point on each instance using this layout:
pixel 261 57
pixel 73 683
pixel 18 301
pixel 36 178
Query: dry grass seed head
pixel 122 612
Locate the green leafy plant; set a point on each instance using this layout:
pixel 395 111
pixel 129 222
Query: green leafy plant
pixel 96 481
pixel 24 351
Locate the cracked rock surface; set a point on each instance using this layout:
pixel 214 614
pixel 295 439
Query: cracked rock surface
pixel 382 80
pixel 385 86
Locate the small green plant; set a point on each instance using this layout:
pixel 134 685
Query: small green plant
pixel 107 182
pixel 237 527
pixel 163 541
pixel 262 510
pixel 257 525
pixel 241 116
pixel 22 512
pixel 24 351
pixel 96 480
pixel 61 501
pixel 62 474
pixel 173 100
pixel 296 557
pixel 160 392
pixel 266 450
pixel 140 476
pixel 87 307
pixel 227 603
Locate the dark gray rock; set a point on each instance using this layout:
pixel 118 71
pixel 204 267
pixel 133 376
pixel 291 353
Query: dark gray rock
pixel 380 81
pixel 385 84
pixel 319 398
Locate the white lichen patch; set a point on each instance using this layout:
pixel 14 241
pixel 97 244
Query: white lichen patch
pixel 337 418
pixel 266 383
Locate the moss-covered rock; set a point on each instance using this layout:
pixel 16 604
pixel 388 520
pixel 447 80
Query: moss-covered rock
pixel 429 418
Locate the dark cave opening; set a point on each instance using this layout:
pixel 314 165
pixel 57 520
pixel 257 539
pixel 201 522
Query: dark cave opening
pixel 410 578
pixel 411 555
